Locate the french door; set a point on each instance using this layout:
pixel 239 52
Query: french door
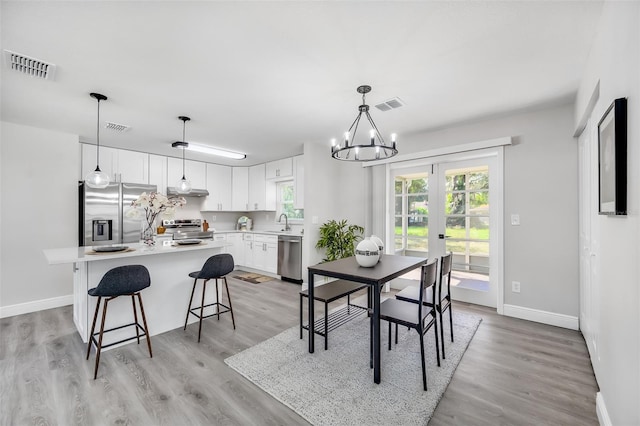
pixel 452 205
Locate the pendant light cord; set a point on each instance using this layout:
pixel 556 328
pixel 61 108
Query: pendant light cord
pixel 98 139
pixel 184 125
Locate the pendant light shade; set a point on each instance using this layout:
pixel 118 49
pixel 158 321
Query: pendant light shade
pixel 184 185
pixel 97 178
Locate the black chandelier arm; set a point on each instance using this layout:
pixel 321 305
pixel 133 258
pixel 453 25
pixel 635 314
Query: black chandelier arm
pixel 376 129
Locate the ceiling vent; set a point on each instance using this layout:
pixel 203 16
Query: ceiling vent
pixel 390 104
pixel 28 65
pixel 116 127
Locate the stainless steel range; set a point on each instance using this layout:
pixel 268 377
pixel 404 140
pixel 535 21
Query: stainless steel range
pixel 183 229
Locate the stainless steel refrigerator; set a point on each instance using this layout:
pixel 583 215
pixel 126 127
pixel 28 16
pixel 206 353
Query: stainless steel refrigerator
pixel 102 214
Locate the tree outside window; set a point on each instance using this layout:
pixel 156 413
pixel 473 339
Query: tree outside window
pixel 285 201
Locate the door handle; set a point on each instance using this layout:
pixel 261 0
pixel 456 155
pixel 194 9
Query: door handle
pixel 442 236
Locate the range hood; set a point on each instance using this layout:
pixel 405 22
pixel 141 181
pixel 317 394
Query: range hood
pixel 172 191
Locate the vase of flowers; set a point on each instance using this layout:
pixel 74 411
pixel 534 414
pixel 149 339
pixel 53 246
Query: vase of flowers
pixel 148 207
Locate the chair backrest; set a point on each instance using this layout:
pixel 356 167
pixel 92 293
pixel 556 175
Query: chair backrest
pixel 445 274
pixel 127 279
pixel 217 266
pixel 428 279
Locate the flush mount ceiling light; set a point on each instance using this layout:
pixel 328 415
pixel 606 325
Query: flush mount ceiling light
pixel 183 186
pixel 204 149
pixel 373 148
pixel 97 178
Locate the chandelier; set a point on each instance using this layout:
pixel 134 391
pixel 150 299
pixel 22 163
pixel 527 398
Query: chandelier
pixel 373 148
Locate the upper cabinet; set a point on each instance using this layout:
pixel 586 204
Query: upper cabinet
pixel 121 165
pixel 194 171
pixel 298 182
pixel 257 187
pixel 219 184
pixel 240 188
pixel 158 172
pixel 279 170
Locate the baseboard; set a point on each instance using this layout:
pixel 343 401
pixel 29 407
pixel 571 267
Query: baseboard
pixel 36 305
pixel 544 317
pixel 601 410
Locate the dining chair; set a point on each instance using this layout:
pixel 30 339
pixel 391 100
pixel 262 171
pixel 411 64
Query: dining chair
pixel 443 299
pixel 417 316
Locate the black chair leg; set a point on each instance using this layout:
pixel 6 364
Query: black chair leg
pixel 204 288
pixel 389 335
pixel 218 305
pixel 190 302
pixel 424 367
pixel 99 345
pixel 233 321
pixel 301 316
pixel 451 320
pixel 93 327
pixel 441 331
pixel 144 322
pixel 396 333
pixel 435 332
pixel 135 316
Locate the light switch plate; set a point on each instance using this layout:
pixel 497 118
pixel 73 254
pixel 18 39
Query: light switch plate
pixel 515 219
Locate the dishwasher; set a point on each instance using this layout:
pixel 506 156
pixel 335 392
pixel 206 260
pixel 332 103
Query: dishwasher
pixel 290 258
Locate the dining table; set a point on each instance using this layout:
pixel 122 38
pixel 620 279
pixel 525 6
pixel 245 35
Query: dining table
pixel 388 268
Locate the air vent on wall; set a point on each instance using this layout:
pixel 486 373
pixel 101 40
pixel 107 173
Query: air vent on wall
pixel 28 65
pixel 116 127
pixel 390 104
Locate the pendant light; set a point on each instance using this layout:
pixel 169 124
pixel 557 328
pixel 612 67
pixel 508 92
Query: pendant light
pixel 373 148
pixel 97 178
pixel 183 186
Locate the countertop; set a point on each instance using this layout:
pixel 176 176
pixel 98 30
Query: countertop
pixel 254 231
pixel 58 256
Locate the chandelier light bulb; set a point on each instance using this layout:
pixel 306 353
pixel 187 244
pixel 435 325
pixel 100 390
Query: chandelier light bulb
pixel 97 179
pixel 184 186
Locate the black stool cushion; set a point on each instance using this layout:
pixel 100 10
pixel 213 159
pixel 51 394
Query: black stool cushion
pixel 122 280
pixel 216 266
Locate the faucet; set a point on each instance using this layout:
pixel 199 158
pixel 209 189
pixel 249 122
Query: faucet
pixel 286 222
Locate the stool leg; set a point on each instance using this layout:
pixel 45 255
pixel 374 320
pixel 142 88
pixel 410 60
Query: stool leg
pixel 135 316
pixel 217 301
pixel 301 316
pixel 231 306
pixel 93 327
pixel 190 302
pixel 144 322
pixel 204 288
pixel 326 325
pixel 99 346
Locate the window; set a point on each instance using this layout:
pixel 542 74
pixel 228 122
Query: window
pixel 285 196
pixel 411 212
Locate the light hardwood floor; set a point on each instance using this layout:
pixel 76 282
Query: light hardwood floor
pixel 514 372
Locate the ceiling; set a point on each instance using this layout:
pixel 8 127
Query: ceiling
pixel 265 77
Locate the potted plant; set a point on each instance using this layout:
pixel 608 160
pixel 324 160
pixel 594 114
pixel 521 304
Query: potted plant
pixel 339 239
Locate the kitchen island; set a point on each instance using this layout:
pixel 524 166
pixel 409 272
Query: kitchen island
pixel 165 301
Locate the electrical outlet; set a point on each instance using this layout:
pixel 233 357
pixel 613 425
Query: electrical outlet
pixel 515 219
pixel 314 220
pixel 213 218
pixel 515 286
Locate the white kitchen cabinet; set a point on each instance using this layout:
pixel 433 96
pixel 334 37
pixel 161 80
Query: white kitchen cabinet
pixel 248 252
pixel 236 247
pixel 298 182
pixel 194 171
pixel 240 188
pixel 262 194
pixel 120 164
pixel 219 183
pixel 132 166
pixel 265 253
pixel 279 169
pixel 158 172
pixel 221 238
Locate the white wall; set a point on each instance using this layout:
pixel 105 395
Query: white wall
pixel 333 190
pixel 39 210
pixel 614 62
pixel 540 181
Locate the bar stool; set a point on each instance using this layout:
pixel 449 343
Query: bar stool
pixel 121 281
pixel 216 267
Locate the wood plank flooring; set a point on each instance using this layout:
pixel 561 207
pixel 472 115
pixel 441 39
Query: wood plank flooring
pixel 514 372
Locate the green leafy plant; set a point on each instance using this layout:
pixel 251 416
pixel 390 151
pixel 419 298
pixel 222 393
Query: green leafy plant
pixel 339 239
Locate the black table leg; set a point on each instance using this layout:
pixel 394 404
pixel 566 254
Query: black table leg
pixel 376 333
pixel 311 312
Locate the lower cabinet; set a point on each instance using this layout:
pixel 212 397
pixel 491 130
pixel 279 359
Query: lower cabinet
pixel 236 248
pixel 221 237
pixel 259 252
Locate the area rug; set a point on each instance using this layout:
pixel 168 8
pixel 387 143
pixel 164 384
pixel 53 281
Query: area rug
pixel 335 387
pixel 252 278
